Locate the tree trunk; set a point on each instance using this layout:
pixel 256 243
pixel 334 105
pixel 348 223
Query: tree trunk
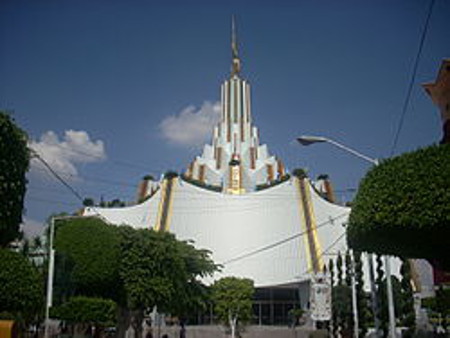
pixel 123 321
pixel 232 320
pixel 137 317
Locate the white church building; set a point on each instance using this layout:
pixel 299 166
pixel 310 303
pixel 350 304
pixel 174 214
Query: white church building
pixel 238 201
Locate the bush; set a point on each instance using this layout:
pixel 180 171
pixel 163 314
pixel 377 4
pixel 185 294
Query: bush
pixel 402 207
pixel 21 287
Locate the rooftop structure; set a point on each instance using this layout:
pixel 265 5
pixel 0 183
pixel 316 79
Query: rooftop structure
pixel 439 92
pixel 235 161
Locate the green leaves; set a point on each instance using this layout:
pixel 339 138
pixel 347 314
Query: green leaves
pixel 85 310
pixel 233 296
pixel 14 160
pixel 89 248
pixel 156 269
pixel 137 268
pixel 403 205
pixel 21 287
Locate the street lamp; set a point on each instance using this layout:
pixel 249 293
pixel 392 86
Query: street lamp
pixel 51 271
pixel 307 140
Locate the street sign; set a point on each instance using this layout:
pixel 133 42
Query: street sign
pixel 320 299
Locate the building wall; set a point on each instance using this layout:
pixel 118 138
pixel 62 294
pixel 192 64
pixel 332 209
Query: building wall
pixel 232 226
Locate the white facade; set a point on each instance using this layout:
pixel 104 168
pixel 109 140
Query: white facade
pixel 260 235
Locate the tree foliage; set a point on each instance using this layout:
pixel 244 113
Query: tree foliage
pixel 407 308
pixel 361 296
pixel 138 269
pixel 342 295
pixel 87 257
pixel 86 310
pixel 157 269
pixel 232 299
pixel 299 172
pixel 14 161
pixel 402 207
pixel 21 286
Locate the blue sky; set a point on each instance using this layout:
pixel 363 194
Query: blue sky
pixel 92 82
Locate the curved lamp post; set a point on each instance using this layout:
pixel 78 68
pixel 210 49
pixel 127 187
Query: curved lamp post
pixel 307 140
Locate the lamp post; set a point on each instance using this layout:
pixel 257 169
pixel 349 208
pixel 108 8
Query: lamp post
pixel 51 271
pixel 50 274
pixel 308 140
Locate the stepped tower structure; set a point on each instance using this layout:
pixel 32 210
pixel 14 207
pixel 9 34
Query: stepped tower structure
pixel 235 161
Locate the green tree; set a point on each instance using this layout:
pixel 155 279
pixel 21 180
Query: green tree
pixel 334 321
pixel 362 300
pixel 88 252
pixel 14 161
pixel 116 203
pixel 348 268
pixel 232 298
pixel 136 268
pixel 339 269
pixel 87 312
pixel 331 271
pixel 88 202
pixel 300 173
pixel 407 308
pixel 379 289
pixel 21 287
pixel 439 305
pixel 156 269
pixel 342 308
pixel 402 207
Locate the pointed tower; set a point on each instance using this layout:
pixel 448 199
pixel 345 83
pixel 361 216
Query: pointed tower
pixel 235 161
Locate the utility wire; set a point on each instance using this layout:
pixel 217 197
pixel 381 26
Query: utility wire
pixel 283 241
pixel 99 157
pixel 413 77
pixel 324 252
pixel 49 201
pixel 59 178
pixel 91 178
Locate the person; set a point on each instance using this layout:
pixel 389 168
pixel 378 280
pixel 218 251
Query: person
pixel 182 330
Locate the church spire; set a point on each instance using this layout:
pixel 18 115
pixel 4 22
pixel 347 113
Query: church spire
pixel 236 65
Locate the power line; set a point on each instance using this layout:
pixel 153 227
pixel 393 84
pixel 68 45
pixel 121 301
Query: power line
pixel 91 178
pixel 413 77
pixel 99 157
pixel 283 241
pixel 49 201
pixel 59 178
pixel 329 247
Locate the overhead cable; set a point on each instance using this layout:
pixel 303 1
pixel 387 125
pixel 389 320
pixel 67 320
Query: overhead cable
pixel 412 80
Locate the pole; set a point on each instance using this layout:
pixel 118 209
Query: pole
pixel 374 297
pixel 352 151
pixel 387 266
pixel 354 300
pixel 51 270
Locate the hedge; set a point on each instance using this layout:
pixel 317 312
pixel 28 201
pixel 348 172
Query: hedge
pixel 402 207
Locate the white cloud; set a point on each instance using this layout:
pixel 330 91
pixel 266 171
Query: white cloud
pixel 192 126
pixel 31 227
pixel 75 148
